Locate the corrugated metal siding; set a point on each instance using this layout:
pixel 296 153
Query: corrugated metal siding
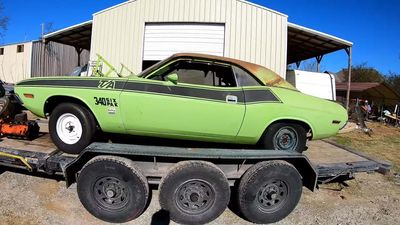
pixel 15 66
pixel 54 59
pixel 252 33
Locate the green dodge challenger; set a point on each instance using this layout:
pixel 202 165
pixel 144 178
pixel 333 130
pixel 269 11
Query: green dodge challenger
pixel 186 96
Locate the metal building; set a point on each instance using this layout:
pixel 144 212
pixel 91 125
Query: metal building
pixel 35 59
pixel 140 32
pixel 15 62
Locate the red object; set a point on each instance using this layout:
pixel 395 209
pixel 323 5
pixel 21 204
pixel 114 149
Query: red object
pixel 14 129
pixel 28 129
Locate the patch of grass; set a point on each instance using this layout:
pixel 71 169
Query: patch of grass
pixel 383 144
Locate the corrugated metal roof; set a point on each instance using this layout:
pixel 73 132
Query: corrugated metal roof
pixel 77 35
pixel 357 86
pixel 370 90
pixel 305 43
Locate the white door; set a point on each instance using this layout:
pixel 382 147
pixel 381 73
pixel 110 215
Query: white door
pixel 163 40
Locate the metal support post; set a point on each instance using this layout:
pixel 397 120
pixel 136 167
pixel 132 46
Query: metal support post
pixel 79 51
pixel 319 59
pixel 349 52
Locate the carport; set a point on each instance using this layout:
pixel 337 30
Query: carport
pixel 380 93
pixel 78 36
pixel 305 43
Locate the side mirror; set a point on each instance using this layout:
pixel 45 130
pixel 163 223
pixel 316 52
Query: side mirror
pixel 173 77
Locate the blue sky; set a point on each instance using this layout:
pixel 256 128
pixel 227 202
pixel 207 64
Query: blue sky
pixel 373 26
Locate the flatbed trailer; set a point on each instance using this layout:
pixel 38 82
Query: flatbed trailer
pixel 191 180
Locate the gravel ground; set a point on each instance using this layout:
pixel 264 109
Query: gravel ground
pixel 369 199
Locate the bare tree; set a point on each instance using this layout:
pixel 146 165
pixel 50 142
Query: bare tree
pixel 47 28
pixel 394 80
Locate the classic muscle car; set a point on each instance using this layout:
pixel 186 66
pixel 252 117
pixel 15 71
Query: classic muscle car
pixel 186 96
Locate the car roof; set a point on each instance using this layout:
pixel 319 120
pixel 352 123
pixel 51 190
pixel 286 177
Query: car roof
pixel 265 75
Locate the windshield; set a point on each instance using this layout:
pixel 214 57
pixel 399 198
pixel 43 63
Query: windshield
pixel 147 71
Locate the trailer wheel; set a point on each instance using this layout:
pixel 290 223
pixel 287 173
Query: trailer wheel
pixel 269 191
pixel 285 136
pixel 71 127
pixel 194 192
pixel 113 189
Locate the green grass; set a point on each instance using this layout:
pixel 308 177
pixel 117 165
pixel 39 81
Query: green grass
pixel 383 144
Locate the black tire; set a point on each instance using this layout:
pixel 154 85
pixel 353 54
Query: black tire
pixel 87 123
pixel 194 192
pixel 113 189
pixel 285 136
pixel 269 191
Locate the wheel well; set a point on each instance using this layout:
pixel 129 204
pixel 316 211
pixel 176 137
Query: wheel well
pixel 54 101
pixel 301 123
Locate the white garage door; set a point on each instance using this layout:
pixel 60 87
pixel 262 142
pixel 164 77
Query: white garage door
pixel 163 40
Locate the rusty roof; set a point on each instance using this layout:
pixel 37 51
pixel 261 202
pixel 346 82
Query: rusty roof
pixel 371 90
pixel 267 76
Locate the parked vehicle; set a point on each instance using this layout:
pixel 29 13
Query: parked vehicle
pixel 187 96
pixel 321 85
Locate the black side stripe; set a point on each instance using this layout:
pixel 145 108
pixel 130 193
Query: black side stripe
pixel 182 91
pixel 266 95
pixel 87 83
pixel 243 96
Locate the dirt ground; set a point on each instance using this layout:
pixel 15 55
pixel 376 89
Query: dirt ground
pixel 367 199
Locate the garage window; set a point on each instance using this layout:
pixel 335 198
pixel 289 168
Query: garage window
pixel 20 48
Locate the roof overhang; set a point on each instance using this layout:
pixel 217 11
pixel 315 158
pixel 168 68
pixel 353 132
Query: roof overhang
pixel 380 92
pixel 305 43
pixel 78 36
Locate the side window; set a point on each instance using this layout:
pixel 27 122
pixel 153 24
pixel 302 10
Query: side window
pixel 193 73
pixel 200 73
pixel 244 79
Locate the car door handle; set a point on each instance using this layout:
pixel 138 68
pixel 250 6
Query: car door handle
pixel 231 99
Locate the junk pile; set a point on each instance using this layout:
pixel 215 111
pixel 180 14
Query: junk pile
pixel 14 122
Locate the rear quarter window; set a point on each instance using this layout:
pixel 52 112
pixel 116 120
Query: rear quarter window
pixel 244 79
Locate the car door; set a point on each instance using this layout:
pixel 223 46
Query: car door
pixel 205 103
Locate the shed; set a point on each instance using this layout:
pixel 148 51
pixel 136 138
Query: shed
pixel 380 93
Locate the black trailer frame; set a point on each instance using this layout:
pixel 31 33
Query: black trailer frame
pixel 154 161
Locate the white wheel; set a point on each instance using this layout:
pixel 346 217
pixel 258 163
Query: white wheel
pixel 69 128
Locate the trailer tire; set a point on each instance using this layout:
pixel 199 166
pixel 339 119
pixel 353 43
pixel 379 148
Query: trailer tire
pixel 72 127
pixel 285 136
pixel 194 192
pixel 113 189
pixel 269 191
